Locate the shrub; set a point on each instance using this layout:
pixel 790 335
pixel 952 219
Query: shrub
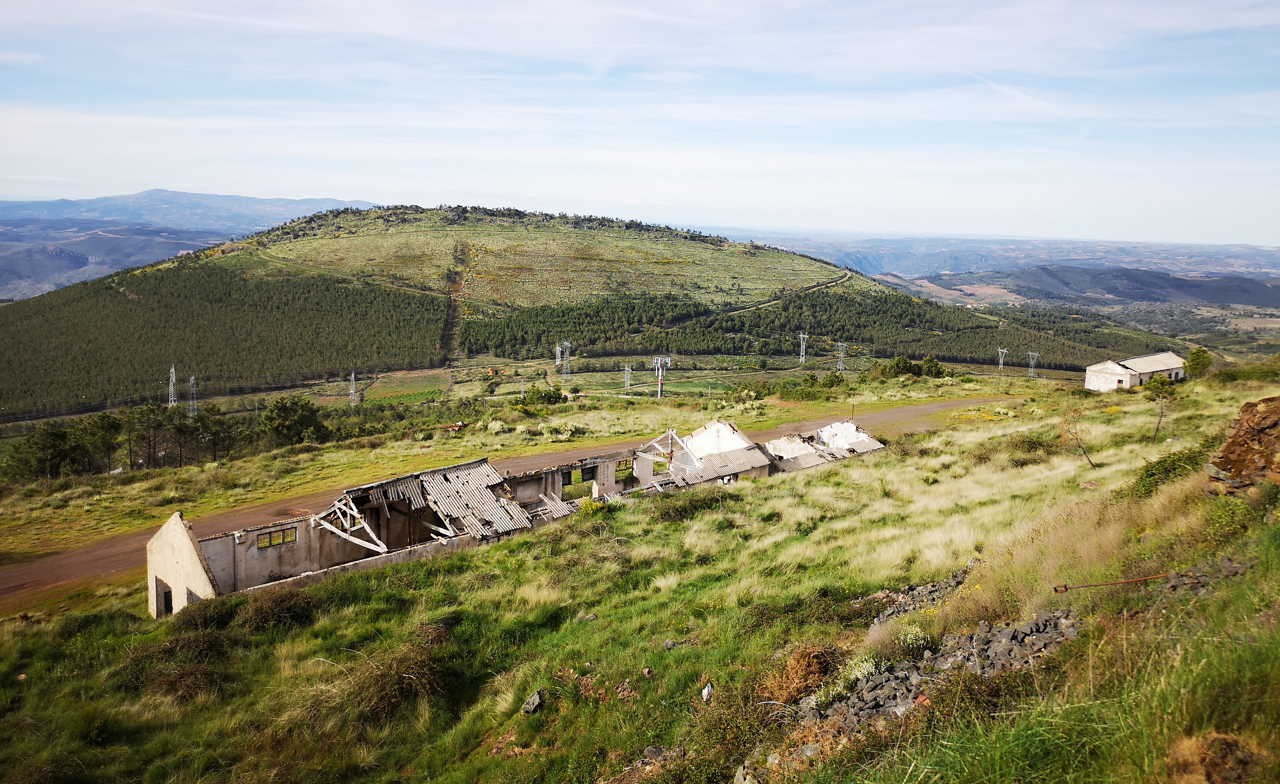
pixel 277 609
pixel 72 625
pixel 1167 468
pixel 1228 517
pixel 682 506
pixel 184 665
pixel 802 672
pixel 215 613
pixel 383 684
pixel 898 639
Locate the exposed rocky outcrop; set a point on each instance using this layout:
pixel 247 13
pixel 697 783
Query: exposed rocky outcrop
pixel 1252 452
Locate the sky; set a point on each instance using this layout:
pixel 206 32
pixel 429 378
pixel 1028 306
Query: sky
pixel 1155 120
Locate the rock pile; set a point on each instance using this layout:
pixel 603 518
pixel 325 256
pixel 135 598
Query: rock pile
pixel 915 597
pixel 1199 579
pixel 897 689
pixel 654 760
pixel 989 650
pixel 1252 452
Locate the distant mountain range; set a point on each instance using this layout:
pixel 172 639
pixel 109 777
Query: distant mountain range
pixel 227 215
pixel 916 257
pixel 45 245
pixel 1090 286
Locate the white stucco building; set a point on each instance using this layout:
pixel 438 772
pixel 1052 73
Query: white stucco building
pixel 1111 374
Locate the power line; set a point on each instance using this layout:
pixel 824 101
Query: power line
pixel 191 402
pixel 840 349
pixel 563 350
pixel 626 377
pixel 1002 352
pixel 1032 356
pixel 354 394
pixel 173 386
pixel 804 339
pixel 660 365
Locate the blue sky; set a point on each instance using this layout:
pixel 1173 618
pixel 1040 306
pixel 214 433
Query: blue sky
pixel 1109 120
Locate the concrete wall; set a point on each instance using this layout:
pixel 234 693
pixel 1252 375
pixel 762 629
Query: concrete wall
pixel 1108 381
pixel 176 569
pixel 416 553
pixel 527 489
pixel 236 565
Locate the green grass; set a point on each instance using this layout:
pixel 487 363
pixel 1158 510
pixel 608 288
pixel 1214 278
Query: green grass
pixel 733 577
pixel 48 516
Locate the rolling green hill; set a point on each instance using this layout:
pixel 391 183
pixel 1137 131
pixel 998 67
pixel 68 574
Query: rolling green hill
pixel 405 287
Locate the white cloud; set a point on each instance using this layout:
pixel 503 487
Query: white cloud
pixel 919 115
pixel 19 58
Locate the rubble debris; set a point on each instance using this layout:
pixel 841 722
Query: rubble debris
pixel 917 597
pixel 1199 579
pixel 651 762
pixel 1252 451
pixel 896 689
pixel 534 703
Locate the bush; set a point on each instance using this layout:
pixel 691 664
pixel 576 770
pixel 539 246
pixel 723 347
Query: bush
pixel 184 665
pixel 682 506
pixel 380 687
pixel 72 625
pixel 1229 517
pixel 1167 468
pixel 215 613
pixel 277 609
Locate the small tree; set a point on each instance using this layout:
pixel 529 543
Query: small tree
pixel 292 419
pixel 1198 362
pixel 1160 390
pixel 1071 433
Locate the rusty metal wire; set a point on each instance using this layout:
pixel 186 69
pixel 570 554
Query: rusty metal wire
pixel 1065 588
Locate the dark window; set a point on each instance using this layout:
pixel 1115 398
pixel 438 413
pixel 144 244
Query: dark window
pixel 277 538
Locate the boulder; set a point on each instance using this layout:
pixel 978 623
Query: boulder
pixel 1252 451
pixel 534 703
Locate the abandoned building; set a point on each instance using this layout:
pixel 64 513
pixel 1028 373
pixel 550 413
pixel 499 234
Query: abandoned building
pixel 432 512
pixel 715 452
pixel 837 441
pixel 1110 375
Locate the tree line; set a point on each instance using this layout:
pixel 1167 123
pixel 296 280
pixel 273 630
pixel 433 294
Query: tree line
pixel 112 341
pixel 884 324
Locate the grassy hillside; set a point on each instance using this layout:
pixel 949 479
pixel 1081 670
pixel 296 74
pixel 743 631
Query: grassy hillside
pixel 622 615
pixel 406 287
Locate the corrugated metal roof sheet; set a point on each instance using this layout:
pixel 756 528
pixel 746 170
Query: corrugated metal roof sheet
pixel 1154 363
pixel 725 464
pixel 465 494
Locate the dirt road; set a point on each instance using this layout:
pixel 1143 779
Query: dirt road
pixel 123 552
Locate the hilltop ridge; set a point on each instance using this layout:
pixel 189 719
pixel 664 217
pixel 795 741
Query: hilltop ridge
pixel 407 287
